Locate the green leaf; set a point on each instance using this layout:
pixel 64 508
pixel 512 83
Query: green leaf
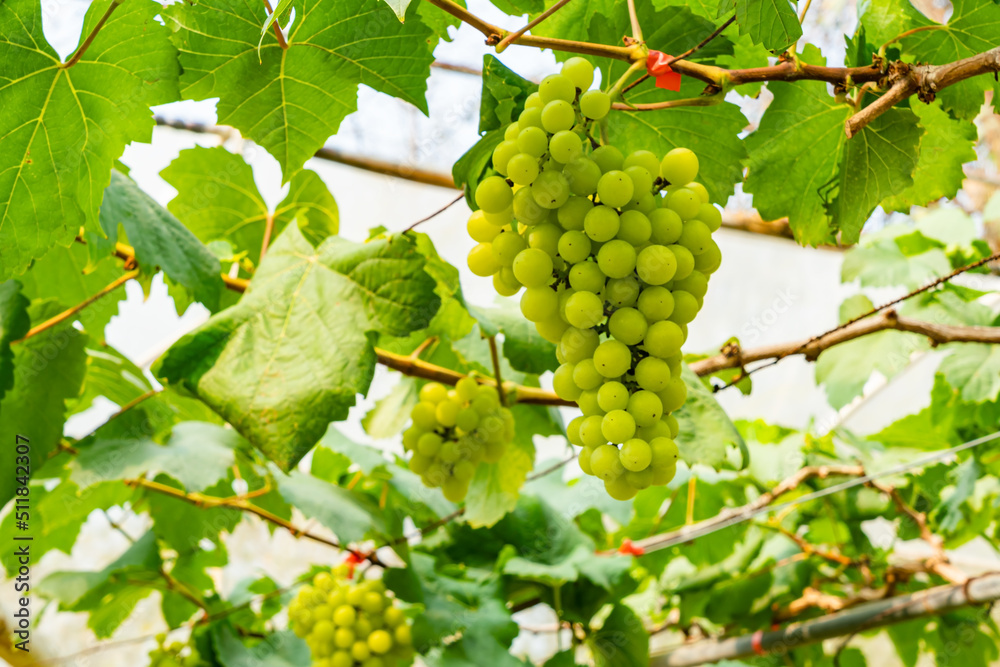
pixel 878 163
pixel 160 240
pixel 48 371
pixel 845 368
pixel 523 346
pixel 884 20
pixel 281 649
pixel 365 457
pixel 63 127
pixel 182 526
pixel 883 264
pixel 975 367
pixel 399 8
pixel 14 324
pixel 110 374
pixel 349 515
pixel 622 641
pixel 309 317
pixel 392 412
pixel 771 23
pixel 945 146
pixel 290 101
pixel 217 199
pixel 197 455
pixel 705 428
pixel 504 93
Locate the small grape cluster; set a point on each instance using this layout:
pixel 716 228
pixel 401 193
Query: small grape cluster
pixel 615 253
pixel 351 623
pixel 453 431
pixel 176 654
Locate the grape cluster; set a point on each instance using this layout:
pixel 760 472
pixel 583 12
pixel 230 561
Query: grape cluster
pixel 615 253
pixel 351 623
pixel 174 655
pixel 453 430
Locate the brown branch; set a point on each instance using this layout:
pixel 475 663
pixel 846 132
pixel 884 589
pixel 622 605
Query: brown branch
pixel 512 37
pixel 75 58
pixel 436 213
pixel 495 357
pixel 809 548
pixel 70 312
pixel 268 230
pixel 812 598
pixel 278 32
pixel 461 69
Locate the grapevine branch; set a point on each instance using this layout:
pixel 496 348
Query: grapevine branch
pixel 506 41
pixel 75 58
pixel 436 213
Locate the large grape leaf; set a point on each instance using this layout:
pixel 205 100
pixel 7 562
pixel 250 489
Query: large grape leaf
pixel 771 23
pixel 504 94
pixel 351 516
pixel 844 369
pixel 63 127
pixel 622 641
pixel 705 428
pixel 48 371
pixel 975 368
pixel 291 100
pixel 14 324
pixel 290 357
pixel 217 199
pixel 112 375
pixel 884 20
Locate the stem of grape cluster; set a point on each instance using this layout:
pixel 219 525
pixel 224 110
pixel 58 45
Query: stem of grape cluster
pixel 635 67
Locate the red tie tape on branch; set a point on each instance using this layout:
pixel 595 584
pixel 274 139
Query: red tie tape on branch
pixel 658 66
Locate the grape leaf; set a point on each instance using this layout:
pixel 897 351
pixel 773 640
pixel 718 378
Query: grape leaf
pixel 504 93
pixel 975 367
pixel 771 23
pixel 945 146
pixel 63 127
pixel 844 369
pixel 392 412
pixel 705 428
pixel 622 641
pixel 112 375
pixel 280 649
pixel 398 8
pixel 351 516
pixel 48 371
pixel 882 264
pixel 14 324
pixel 182 526
pixel 291 100
pixel 523 346
pixel 309 317
pixel 217 199
pixel 160 240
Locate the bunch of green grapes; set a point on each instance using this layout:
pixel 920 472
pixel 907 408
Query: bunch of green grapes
pixel 351 623
pixel 453 430
pixel 176 654
pixel 614 253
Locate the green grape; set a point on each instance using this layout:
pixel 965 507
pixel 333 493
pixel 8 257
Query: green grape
pixel 645 159
pixel 538 303
pixel 655 264
pixel 662 476
pixel 673 425
pixel 612 396
pixel 674 395
pixel 614 189
pixel 641 479
pixel 467 419
pixel 545 237
pixel 502 154
pixel 605 462
pixel 479 229
pixel 590 432
pixel 584 460
pixel 342 638
pixel 709 261
pixel 587 277
pixel 505 286
pixel 574 246
pixel 666 226
pixel 564 293
pixel 522 169
pixel 635 454
pixel 344 616
pixel 552 329
pixel 595 104
pixel 608 158
pixel 601 223
pixel 696 237
pixel 565 146
pixel 533 141
pixel 360 651
pixel 423 415
pixel 558 115
pixel 532 267
pixel 644 202
pixel 557 87
pixel 529 118
pixel 571 214
pixel 695 284
pixel 685 261
pixel 510 134
pixel 588 403
pixel 656 303
pixel 674 361
pixel 578 344
pixel 533 101
pixel 642 180
pixel 645 407
pixel 563 383
pixel 622 292
pixel 467 389
pixel 616 258
pixel 652 374
pixel 432 392
pixel 618 426
pixel 573 430
pixel 620 488
pixel 634 227
pixel 679 166
pixel 481 260
pixel 627 325
pixel 612 358
pixel 586 376
pixel 710 215
pixel 583 174
pixel 447 412
pixel 584 310
pixel 663 339
pixel 550 189
pixel 664 452
pixel 380 642
pixel 493 194
pixel 429 444
pixel 403 635
pixel 501 219
pixel 526 210
pixel 419 463
pixel 700 190
pixel 685 307
pixel 684 203
pixel 579 71
pixel 506 248
pixel 657 430
pixel 341 659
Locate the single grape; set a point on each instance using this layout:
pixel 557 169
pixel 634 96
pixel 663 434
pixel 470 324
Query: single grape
pixel 510 134
pixel 532 267
pixel 656 303
pixel 506 247
pixel 558 87
pixel 584 460
pixel 612 396
pixel 590 432
pixel 579 71
pixel 583 174
pixel 533 101
pixel 605 462
pixel 620 488
pixel 700 190
pixel 533 141
pixel 481 260
pixel 645 407
pixel 538 303
pixel 642 180
pixel 558 115
pixel 644 202
pixel 634 227
pixel 578 344
pixel 447 412
pixel 710 215
pixel 545 237
pixel 612 358
pixel 429 444
pixel 552 328
pixel 601 223
pixel 672 425
pixel 573 429
pixel 635 454
pixel 588 403
pixel 344 616
pixel 618 426
pixel 684 202
pixel 686 307
pixel 616 258
pixel 550 189
pixel 584 310
pixel 709 261
pixel 501 219
pixel 587 277
pixel 502 154
pixel 433 392
pixel 666 226
pixel 493 194
pixel 652 374
pixel 522 169
pixel 615 189
pixel 608 158
pixel 586 376
pixel 679 166
pixel 664 452
pixel 505 283
pixel 595 104
pixel 662 476
pixel 656 264
pixel 526 210
pixel 380 642
pixel 574 246
pixel 479 229
pixel 529 118
pixel 657 430
pixel 663 339
pixel 674 395
pixel 645 159
pixel 641 479
pixel 685 261
pixel 622 292
pixel 563 384
pixel 565 146
pixel 696 237
pixel 467 419
pixel 571 214
pixel 627 325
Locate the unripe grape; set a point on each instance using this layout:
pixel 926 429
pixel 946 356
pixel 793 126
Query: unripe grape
pixel 584 310
pixel 645 407
pixel 684 202
pixel 696 237
pixel 530 117
pixel 583 174
pixel 510 134
pixel 423 415
pixel 502 154
pixel 479 229
pixel 557 87
pixel 522 169
pixel 429 444
pixel 532 267
pixel 634 227
pixel 588 403
pixel 344 616
pixel 360 651
pixel 605 462
pixel 662 476
pixel 642 180
pixel 563 383
pixel 493 194
pixel 616 258
pixel 467 419
pixel 558 115
pixel 627 325
pixel 615 189
pixel 590 431
pixel 656 303
pixel 565 146
pixel 641 479
pixel 645 159
pixel 663 339
pixel 652 374
pixel 584 460
pixel 526 209
pixel 709 261
pixel 482 262
pixel 579 71
pixel 666 226
pixel 379 642
pixel 674 395
pixel 501 219
pixel 635 454
pixel 685 261
pixel 679 166
pixel 433 392
pixel 618 426
pixel 601 223
pixel 612 396
pixel 663 452
pixel 538 303
pixel 700 190
pixel 343 638
pixel 550 190
pixel 586 375
pixel 612 358
pixel 446 412
pixel 552 329
pixel 658 430
pixel 672 424
pixel 578 344
pixel 619 488
pixel 685 307
pixel 710 215
pixel 695 284
pixel 574 246
pixel 502 286
pixel 533 142
pixel 621 292
pixel 608 158
pixel 595 104
pixel 656 264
